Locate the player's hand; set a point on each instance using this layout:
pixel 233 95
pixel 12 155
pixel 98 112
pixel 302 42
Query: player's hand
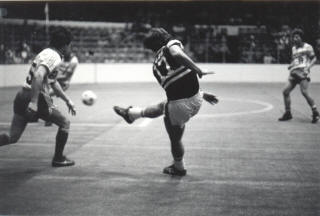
pixel 306 70
pixel 71 107
pixel 31 112
pixel 204 73
pixel 210 98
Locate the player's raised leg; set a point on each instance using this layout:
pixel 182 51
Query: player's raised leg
pixel 130 114
pixel 304 86
pixel 287 101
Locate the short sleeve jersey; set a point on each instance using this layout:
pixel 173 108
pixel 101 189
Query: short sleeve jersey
pixel 66 69
pixel 50 59
pixel 301 56
pixel 177 80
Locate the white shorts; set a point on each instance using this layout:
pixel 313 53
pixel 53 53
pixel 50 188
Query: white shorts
pixel 180 111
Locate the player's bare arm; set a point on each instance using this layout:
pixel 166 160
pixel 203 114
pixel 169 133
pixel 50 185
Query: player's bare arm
pixel 312 62
pixel 36 86
pixel 60 93
pixel 182 58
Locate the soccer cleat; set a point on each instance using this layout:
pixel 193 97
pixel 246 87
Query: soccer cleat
pixel 124 113
pixel 286 116
pixel 315 117
pixel 210 98
pixel 64 161
pixel 172 170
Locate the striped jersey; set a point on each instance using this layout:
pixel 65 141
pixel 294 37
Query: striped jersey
pixel 177 80
pixel 49 58
pixel 301 56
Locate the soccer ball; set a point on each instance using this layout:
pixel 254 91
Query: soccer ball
pixel 88 97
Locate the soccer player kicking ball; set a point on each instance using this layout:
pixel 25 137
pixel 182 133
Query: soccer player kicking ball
pixel 33 100
pixel 303 58
pixel 177 74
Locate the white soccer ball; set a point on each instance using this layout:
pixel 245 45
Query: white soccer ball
pixel 88 97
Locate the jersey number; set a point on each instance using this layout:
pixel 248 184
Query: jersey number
pixel 161 66
pixel 30 74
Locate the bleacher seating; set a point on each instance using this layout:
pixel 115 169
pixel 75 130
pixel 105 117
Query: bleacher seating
pixel 103 42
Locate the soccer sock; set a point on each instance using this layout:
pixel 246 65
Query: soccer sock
pixel 314 109
pixel 61 140
pixel 4 139
pixel 153 111
pixel 135 113
pixel 179 164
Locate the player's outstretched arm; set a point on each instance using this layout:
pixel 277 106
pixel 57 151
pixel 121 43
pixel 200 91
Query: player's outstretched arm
pixel 181 57
pixel 60 93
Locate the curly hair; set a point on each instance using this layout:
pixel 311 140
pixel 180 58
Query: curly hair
pixel 297 31
pixel 60 37
pixel 156 38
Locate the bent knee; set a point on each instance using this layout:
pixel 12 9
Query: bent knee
pixel 286 92
pixel 65 126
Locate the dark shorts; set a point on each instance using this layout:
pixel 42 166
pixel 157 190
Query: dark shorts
pixel 297 75
pixel 46 110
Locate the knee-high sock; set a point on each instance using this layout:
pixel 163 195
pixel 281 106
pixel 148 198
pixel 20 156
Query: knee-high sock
pixel 175 134
pixel 61 140
pixel 152 111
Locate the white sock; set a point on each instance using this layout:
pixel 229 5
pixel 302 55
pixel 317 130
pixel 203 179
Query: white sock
pixel 179 164
pixel 135 113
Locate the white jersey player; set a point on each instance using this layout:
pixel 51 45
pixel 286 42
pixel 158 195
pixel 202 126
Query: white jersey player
pixel 303 58
pixel 33 101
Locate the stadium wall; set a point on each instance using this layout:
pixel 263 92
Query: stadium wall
pixel 14 75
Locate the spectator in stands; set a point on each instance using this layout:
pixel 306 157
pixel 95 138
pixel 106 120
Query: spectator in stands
pixel 25 52
pixel 268 58
pixel 2 54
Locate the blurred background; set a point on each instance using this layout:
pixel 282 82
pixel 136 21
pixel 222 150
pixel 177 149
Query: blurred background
pixel 211 31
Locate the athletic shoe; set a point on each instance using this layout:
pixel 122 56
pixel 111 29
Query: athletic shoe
pixel 64 161
pixel 124 113
pixel 286 116
pixel 172 170
pixel 315 117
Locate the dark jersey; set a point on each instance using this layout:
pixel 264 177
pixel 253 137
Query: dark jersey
pixel 178 81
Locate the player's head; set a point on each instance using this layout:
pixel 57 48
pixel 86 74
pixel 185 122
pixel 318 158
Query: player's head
pixel 297 36
pixel 60 38
pixel 67 56
pixel 156 38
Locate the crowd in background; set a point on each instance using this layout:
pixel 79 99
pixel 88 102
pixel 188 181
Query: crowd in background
pixel 262 35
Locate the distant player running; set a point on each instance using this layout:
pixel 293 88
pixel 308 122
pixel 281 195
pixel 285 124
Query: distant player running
pixel 177 74
pixel 33 100
pixel 303 58
pixel 65 72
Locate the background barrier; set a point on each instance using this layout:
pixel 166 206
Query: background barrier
pixel 13 75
